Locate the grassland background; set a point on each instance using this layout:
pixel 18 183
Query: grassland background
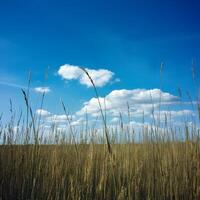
pixel 163 164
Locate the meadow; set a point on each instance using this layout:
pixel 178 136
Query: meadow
pixel 162 164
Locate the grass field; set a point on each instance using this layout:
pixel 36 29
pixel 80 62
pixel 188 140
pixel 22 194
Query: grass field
pixel 150 170
pixel 163 164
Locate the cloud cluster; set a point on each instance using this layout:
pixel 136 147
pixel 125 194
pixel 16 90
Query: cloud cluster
pixel 100 77
pixel 139 101
pixel 42 89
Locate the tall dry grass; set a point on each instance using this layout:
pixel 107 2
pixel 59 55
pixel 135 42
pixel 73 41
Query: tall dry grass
pixel 163 164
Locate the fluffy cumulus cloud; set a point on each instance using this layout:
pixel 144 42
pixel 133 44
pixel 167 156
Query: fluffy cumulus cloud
pixel 42 89
pixel 139 101
pixel 100 77
pixel 118 104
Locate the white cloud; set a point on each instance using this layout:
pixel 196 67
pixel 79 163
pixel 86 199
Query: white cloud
pixel 178 113
pixel 42 89
pixel 58 118
pixel 42 112
pixel 115 119
pixel 139 100
pixel 100 77
pixel 78 122
pixel 173 115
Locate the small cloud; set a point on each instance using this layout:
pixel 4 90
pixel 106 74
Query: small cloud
pixel 42 89
pixel 115 120
pixel 117 80
pixel 58 118
pixel 42 112
pixel 101 77
pixel 78 122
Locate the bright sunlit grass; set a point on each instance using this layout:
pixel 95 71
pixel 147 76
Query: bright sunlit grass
pixel 55 164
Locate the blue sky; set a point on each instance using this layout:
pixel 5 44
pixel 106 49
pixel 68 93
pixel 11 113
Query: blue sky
pixel 128 38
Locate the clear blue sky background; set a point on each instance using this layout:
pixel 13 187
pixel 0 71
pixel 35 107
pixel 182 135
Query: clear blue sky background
pixel 128 37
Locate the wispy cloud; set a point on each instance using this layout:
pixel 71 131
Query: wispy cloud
pixel 36 89
pixel 13 85
pixel 101 77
